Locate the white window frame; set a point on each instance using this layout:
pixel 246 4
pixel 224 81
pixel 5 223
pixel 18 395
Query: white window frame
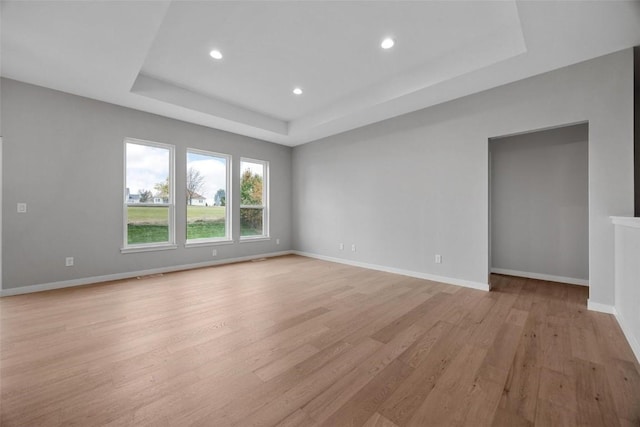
pixel 228 238
pixel 265 200
pixel 145 247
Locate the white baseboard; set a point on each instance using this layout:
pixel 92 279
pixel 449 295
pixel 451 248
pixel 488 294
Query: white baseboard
pixel 119 276
pixel 609 309
pixel 631 339
pixel 416 274
pixel 539 276
pixel 602 308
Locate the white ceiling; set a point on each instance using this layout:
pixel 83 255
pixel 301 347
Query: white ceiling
pixel 154 55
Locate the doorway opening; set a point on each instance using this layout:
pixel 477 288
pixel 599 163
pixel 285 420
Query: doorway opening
pixel 538 205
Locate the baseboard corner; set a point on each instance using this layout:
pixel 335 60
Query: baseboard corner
pixel 602 308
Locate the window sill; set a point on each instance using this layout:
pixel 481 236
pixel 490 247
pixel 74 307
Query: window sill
pixel 198 244
pixel 135 249
pixel 247 239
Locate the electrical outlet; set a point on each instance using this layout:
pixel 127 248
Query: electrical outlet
pixel 22 207
pixel 277 241
pixel 341 246
pixel 68 261
pixel 214 252
pixel 353 247
pixel 438 259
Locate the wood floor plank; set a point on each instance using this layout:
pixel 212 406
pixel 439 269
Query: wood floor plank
pixel 408 397
pixel 416 353
pixel 402 322
pixel 506 418
pixel 377 420
pixel 304 391
pixel 521 387
pixel 382 319
pixel 448 402
pixel 557 388
pixel 326 403
pixel 485 332
pixel 352 325
pixel 624 380
pixel 483 401
pixel 286 362
pixel 265 393
pixel 550 414
pixel 298 419
pixel 459 309
pixel 503 348
pixel 294 341
pixel 357 410
pixel 595 405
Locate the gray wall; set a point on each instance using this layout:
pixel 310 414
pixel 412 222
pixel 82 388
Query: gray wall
pixel 539 202
pixel 63 156
pixel 418 185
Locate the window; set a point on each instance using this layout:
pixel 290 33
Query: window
pixel 254 200
pixel 207 190
pixel 148 196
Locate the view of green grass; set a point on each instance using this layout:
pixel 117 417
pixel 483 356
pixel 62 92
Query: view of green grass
pixel 205 222
pixel 148 224
pixel 148 233
pixel 147 214
pixel 205 213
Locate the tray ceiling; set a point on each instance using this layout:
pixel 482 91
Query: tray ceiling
pixel 154 56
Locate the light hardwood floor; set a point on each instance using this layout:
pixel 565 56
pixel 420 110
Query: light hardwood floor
pixel 293 341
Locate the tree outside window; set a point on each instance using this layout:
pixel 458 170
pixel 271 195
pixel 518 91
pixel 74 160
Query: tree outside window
pixel 253 206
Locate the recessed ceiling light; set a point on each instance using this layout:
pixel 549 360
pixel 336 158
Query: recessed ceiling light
pixel 387 43
pixel 215 54
pixel 297 91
